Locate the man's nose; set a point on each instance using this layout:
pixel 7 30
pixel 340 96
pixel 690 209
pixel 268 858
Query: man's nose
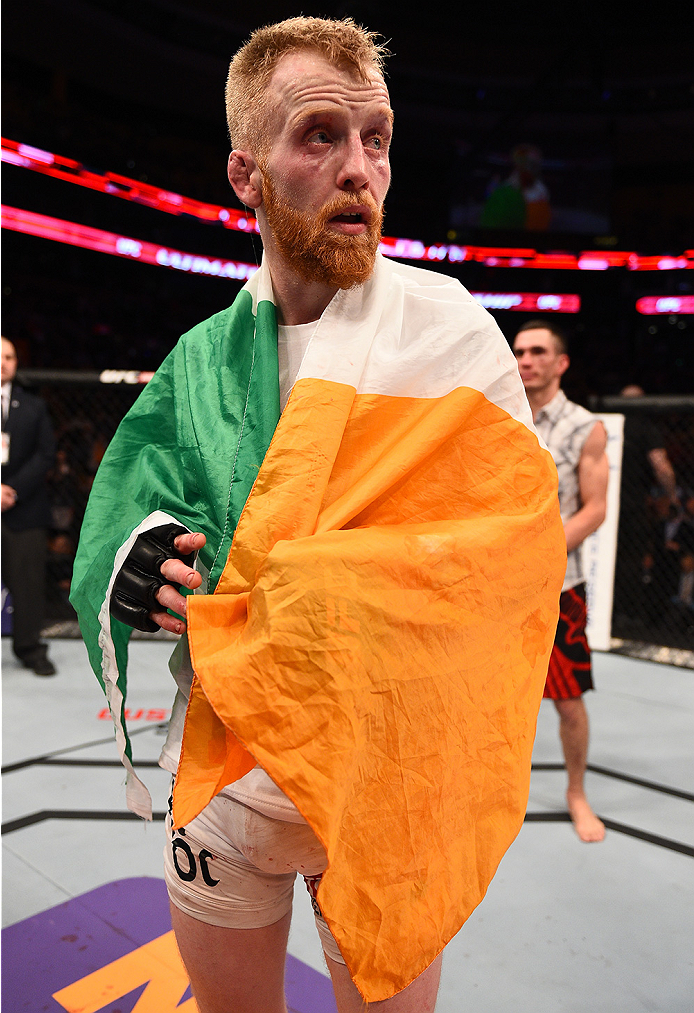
pixel 353 174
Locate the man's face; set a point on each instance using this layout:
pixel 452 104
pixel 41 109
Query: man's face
pixel 9 361
pixel 540 362
pixel 328 171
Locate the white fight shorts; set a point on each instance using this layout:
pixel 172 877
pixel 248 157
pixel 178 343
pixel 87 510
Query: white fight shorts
pixel 235 867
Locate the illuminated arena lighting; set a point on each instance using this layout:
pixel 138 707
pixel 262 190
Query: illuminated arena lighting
pixel 524 302
pixel 88 238
pixel 59 167
pixel 134 190
pixel 651 305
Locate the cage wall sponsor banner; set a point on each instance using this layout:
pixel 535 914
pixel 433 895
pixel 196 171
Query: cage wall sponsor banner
pixel 27 157
pixel 125 376
pixel 600 548
pixel 89 238
pixel 545 302
pixel 651 305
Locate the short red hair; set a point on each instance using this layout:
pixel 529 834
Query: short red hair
pixel 343 43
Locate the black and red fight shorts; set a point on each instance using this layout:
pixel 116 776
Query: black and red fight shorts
pixel 569 672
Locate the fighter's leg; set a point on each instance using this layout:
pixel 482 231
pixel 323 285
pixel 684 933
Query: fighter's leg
pixel 418 997
pixel 574 732
pixel 24 573
pixel 233 970
pixel 231 918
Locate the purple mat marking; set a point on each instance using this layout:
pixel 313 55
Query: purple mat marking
pixel 58 947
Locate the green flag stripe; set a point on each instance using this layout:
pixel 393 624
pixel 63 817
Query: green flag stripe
pixel 191 446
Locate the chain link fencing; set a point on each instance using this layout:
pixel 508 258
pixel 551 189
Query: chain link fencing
pixel 86 409
pixel 653 610
pixel 653 614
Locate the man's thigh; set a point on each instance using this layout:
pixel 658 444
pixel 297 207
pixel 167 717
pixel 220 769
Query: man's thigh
pixel 239 970
pixel 233 868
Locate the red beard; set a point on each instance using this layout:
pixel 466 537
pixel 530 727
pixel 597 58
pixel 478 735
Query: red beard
pixel 314 251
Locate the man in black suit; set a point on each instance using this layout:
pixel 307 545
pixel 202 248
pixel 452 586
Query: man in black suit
pixel 28 448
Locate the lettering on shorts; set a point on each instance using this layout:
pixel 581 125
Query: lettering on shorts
pixel 186 864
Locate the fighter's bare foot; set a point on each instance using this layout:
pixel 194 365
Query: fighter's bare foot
pixel 586 824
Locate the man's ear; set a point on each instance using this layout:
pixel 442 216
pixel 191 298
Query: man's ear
pixel 245 177
pixel 563 363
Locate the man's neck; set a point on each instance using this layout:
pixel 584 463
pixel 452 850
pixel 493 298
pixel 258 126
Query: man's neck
pixel 298 301
pixel 539 398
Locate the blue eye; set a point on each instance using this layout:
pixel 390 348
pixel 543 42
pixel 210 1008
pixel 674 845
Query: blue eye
pixel 320 137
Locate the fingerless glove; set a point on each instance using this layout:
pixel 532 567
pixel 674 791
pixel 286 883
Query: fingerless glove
pixel 134 592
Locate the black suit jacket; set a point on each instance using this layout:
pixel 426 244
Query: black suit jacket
pixel 32 450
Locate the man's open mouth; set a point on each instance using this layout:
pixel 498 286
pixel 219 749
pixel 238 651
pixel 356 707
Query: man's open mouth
pixel 356 216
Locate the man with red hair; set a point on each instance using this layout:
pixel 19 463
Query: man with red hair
pixel 349 452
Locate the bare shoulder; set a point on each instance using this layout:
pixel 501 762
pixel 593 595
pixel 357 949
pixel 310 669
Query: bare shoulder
pixel 596 443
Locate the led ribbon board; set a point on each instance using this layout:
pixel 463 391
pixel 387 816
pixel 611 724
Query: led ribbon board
pixel 524 302
pixel 89 238
pixel 67 169
pixel 27 157
pixel 652 305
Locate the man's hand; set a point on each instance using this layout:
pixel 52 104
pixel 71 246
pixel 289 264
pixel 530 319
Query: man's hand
pixel 9 497
pixel 178 572
pixel 158 563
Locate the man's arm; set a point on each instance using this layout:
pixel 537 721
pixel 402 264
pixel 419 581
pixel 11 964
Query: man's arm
pixel 663 471
pixel 27 479
pixel 593 472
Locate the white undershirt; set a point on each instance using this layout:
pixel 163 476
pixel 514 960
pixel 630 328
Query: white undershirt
pixel 7 394
pixel 256 789
pixel 292 342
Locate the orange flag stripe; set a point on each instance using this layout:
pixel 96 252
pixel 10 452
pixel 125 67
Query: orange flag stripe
pixel 378 642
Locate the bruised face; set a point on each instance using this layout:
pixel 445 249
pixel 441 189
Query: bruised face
pixel 327 173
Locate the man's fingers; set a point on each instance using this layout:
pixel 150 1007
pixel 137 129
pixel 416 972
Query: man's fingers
pixel 191 541
pixel 168 622
pixel 170 598
pixel 177 571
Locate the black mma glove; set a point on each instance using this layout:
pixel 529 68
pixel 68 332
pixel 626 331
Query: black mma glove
pixel 135 588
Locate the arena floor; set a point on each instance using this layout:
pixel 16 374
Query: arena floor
pixel 565 926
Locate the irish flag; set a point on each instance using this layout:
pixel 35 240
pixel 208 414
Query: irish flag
pixel 380 626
